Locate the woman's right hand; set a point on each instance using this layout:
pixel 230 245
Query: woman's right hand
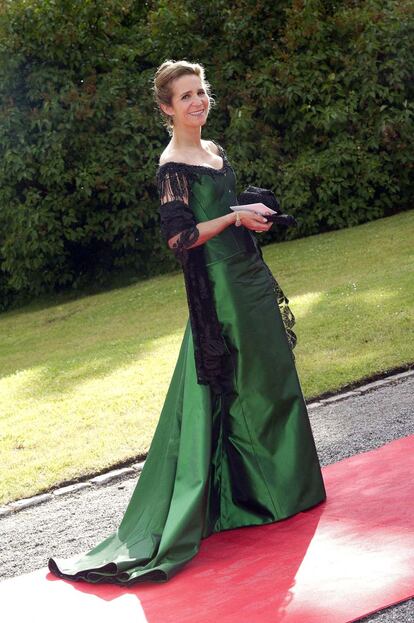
pixel 254 221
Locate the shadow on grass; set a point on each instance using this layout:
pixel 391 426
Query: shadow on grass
pixel 351 319
pixel 339 340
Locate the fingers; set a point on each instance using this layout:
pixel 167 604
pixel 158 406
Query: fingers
pixel 260 231
pixel 261 223
pixel 265 223
pixel 265 227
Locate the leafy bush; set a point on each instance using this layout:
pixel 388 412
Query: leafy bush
pixel 314 100
pixel 78 140
pixel 347 109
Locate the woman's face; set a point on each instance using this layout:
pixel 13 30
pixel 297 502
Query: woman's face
pixel 190 102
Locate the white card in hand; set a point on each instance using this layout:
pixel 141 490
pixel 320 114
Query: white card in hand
pixel 258 208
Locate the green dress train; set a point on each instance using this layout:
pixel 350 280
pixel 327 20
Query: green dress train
pixel 209 469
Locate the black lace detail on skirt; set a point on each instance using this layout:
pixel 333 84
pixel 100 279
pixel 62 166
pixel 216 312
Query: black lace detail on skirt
pixel 287 314
pixel 254 194
pixel 212 356
pixel 283 303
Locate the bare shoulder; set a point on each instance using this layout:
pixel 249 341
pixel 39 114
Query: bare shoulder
pixel 211 145
pixel 169 155
pixel 173 155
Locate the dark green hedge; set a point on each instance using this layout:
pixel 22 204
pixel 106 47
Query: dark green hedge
pixel 314 100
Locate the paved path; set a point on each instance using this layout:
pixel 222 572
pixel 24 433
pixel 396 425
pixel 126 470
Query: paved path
pixel 67 523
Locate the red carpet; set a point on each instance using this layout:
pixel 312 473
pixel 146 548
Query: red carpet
pixel 336 563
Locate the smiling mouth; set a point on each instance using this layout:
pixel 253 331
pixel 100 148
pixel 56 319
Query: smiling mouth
pixel 197 113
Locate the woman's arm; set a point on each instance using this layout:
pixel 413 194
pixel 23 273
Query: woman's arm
pixel 209 229
pixel 178 225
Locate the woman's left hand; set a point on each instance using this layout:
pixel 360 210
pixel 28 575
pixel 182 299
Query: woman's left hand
pixel 267 225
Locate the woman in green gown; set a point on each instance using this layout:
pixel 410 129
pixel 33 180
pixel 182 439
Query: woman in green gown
pixel 233 446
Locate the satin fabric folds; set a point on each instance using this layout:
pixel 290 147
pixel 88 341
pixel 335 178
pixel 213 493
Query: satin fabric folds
pixel 217 461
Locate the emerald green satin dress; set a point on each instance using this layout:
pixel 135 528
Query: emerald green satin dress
pixel 206 473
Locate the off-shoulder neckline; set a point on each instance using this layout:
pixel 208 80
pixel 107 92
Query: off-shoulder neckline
pixel 199 166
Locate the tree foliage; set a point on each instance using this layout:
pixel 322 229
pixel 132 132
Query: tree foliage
pixel 314 100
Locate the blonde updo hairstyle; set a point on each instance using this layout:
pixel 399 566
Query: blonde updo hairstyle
pixel 162 89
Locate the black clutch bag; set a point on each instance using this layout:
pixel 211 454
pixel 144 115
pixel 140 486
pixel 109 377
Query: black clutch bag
pixel 254 194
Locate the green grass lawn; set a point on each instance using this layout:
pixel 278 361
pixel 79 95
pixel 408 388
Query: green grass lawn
pixel 83 380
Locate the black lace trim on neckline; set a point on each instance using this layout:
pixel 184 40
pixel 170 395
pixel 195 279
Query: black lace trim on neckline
pixel 176 166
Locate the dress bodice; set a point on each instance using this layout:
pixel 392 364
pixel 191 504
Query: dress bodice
pixel 211 193
pixel 189 195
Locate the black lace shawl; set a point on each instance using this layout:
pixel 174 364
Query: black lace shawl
pixel 212 356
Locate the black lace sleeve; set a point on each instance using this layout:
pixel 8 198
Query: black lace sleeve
pixel 179 228
pixel 178 225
